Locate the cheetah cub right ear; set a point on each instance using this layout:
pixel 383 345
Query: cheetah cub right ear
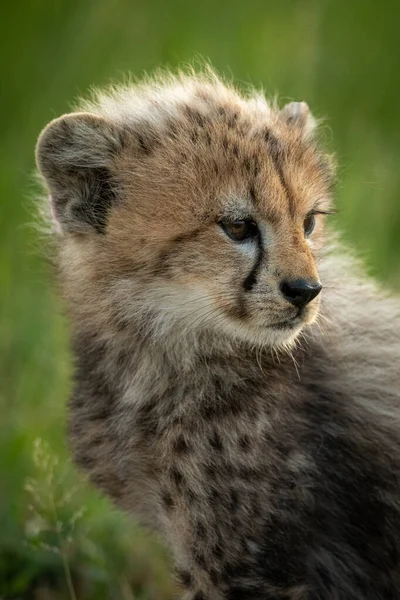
pixel 299 115
pixel 75 154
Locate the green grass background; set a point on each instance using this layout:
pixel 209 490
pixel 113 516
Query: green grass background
pixel 341 56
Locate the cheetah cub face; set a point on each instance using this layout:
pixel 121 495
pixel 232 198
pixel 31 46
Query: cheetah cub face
pixel 191 210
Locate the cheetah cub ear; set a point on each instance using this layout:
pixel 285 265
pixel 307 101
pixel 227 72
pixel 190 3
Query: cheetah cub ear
pixel 75 154
pixel 297 114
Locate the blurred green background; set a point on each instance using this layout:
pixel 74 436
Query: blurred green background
pixel 342 57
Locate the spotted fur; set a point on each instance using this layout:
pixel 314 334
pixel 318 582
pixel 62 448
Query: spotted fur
pixel 262 441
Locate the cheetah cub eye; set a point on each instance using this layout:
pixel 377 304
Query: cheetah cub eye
pixel 240 230
pixel 309 225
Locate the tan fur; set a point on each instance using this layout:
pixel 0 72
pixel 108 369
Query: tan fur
pixel 187 410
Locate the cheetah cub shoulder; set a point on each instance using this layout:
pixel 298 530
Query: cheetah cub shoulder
pixel 237 383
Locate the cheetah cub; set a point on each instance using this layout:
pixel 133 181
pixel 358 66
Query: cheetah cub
pixel 237 384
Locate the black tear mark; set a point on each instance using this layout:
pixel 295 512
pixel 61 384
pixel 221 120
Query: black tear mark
pixel 251 279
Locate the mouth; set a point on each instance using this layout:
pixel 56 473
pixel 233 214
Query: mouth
pixel 291 324
pixel 302 318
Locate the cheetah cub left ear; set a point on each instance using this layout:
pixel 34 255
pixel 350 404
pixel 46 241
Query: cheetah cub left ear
pixel 76 155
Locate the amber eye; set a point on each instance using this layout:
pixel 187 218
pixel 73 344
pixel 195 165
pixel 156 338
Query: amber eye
pixel 308 225
pixel 241 230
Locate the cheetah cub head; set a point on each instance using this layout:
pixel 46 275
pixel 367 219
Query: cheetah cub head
pixel 185 210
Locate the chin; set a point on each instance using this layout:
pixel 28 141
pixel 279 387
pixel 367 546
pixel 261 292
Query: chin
pixel 281 335
pixel 284 338
pixel 284 334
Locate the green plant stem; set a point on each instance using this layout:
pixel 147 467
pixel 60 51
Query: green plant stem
pixel 67 570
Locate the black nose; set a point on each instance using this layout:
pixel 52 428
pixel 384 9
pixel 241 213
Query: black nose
pixel 300 291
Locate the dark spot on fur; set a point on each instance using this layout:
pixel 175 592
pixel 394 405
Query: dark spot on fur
pixel 248 473
pixel 189 494
pixel 244 443
pixel 239 592
pixel 102 413
pixel 121 135
pixel 177 477
pixel 120 323
pixel 214 576
pixel 232 119
pixel 234 500
pixel 252 193
pixel 208 138
pixel 218 551
pixel 161 266
pixel 212 471
pixel 181 446
pixel 173 130
pixel 243 127
pixel 123 358
pixel 277 154
pixel 247 165
pixel 200 530
pixel 200 560
pixel 109 482
pixel 220 407
pixel 86 461
pixel 147 419
pixel 195 115
pixel 215 441
pixel 185 578
pixel 273 145
pixel 236 570
pixel 235 150
pixel 144 144
pixel 199 596
pixel 97 441
pixel 167 500
pixel 255 505
pixel 214 496
pixel 224 401
pixel 92 389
